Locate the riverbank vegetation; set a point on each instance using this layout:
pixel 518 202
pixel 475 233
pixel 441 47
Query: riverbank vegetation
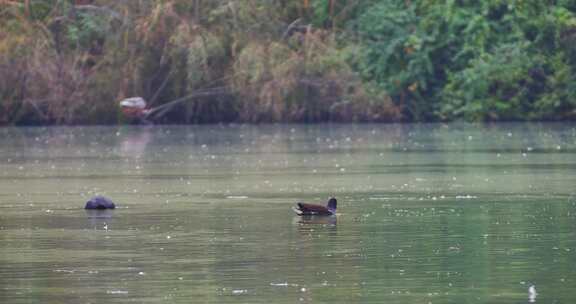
pixel 70 62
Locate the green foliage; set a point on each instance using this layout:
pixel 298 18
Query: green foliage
pixel 399 56
pixel 473 60
pixel 41 10
pixel 87 30
pixel 522 74
pixel 308 60
pixel 497 85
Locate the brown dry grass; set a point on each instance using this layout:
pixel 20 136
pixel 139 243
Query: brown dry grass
pixel 304 80
pixel 163 50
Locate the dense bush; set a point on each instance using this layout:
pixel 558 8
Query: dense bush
pixel 488 60
pixel 68 62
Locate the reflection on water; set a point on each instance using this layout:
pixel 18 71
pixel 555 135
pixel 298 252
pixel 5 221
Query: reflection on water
pixel 133 144
pixel 427 214
pixel 311 221
pixel 99 219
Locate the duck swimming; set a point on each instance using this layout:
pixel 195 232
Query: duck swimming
pixel 312 209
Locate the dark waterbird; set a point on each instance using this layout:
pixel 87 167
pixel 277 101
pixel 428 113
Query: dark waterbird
pixel 312 209
pixel 99 202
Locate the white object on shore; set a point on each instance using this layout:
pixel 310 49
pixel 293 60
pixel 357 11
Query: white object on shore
pixel 134 102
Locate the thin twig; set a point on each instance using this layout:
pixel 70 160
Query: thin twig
pixel 290 27
pixel 162 109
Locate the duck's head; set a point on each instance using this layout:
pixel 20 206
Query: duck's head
pixel 332 204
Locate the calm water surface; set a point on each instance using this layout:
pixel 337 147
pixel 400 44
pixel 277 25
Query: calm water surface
pixel 427 214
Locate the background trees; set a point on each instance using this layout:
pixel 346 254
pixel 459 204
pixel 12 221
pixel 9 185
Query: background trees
pixel 494 60
pixel 288 60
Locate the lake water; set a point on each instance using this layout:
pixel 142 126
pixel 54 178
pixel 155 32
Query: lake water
pixel 427 214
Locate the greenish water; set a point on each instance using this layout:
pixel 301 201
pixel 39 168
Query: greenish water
pixel 427 214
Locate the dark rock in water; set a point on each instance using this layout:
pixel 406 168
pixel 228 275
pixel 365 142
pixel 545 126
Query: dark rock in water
pixel 99 202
